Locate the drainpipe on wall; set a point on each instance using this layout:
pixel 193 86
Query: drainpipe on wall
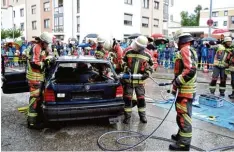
pixel 72 21
pixel 26 21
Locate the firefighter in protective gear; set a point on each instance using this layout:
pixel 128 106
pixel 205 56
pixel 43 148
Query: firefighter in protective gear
pixel 230 61
pixel 100 52
pixel 116 51
pixel 220 65
pixel 136 61
pixel 35 76
pixel 185 83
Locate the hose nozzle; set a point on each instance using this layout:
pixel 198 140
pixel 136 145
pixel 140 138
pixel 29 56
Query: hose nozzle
pixel 164 84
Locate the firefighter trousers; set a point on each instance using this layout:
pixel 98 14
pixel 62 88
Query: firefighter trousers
pixel 35 100
pixel 232 80
pixel 184 120
pixel 128 94
pixel 217 71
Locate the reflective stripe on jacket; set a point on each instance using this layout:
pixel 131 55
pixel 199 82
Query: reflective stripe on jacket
pixel 221 56
pixel 186 71
pixel 35 71
pixel 138 63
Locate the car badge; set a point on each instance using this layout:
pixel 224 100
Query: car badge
pixel 87 87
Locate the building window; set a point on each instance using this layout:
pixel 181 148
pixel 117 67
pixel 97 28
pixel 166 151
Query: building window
pixel 3 2
pixel 172 2
pixel 145 22
pixel 14 14
pixel 46 6
pixel 58 24
pixel 58 3
pixel 171 17
pixel 47 23
pixel 156 22
pixel 232 18
pixel 145 3
pixel 33 9
pixel 224 23
pixel 22 26
pixel 215 14
pixel 128 2
pixel 34 25
pixel 215 24
pixel 156 5
pixel 78 6
pixel 22 12
pixel 78 23
pixel 225 13
pixel 127 19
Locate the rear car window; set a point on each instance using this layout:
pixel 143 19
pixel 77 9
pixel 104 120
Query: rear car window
pixel 83 72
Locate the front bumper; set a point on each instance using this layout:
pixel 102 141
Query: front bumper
pixel 82 111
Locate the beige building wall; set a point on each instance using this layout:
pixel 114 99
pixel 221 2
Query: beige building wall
pixel 152 14
pixel 46 15
pixel 33 17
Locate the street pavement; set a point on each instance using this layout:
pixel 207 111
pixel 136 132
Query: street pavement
pixel 83 135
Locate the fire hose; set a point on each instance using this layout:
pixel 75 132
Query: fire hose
pixel 140 135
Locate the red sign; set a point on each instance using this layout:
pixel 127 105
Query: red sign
pixel 210 22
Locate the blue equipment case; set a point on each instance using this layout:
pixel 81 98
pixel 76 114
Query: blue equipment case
pixel 211 100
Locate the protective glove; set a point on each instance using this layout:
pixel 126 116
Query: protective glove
pixel 176 83
pixel 145 76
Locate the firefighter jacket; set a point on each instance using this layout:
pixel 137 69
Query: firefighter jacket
pixel 36 68
pixel 185 71
pixel 137 63
pixel 118 53
pixel 230 59
pixel 100 53
pixel 220 59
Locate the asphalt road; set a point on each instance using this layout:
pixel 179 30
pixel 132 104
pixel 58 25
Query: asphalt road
pixel 83 135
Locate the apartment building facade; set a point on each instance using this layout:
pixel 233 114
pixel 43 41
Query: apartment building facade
pixel 223 18
pixel 77 18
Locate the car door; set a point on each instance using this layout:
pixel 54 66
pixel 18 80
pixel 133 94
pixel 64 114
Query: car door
pixel 13 79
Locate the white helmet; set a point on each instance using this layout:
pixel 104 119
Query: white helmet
pixel 108 45
pixel 227 39
pixel 46 37
pixel 141 41
pixel 100 39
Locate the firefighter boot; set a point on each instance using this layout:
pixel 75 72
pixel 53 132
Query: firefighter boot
pixel 127 117
pixel 231 96
pixel 142 117
pixel 179 147
pixel 175 137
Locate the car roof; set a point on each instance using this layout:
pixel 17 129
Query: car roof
pixel 81 58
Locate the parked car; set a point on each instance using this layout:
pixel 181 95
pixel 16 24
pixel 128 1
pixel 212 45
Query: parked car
pixel 75 88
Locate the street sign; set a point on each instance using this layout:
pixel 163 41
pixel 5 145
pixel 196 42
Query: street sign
pixel 210 22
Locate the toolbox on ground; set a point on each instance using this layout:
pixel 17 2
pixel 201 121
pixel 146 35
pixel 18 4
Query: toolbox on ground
pixel 210 100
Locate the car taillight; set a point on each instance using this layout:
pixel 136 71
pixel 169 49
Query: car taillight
pixel 49 95
pixel 119 91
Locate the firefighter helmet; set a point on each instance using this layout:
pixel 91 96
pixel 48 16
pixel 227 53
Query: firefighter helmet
pixel 141 41
pixel 227 39
pixel 100 39
pixel 184 38
pixel 46 37
pixel 108 45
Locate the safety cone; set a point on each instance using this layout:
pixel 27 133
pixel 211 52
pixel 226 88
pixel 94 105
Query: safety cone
pixel 205 70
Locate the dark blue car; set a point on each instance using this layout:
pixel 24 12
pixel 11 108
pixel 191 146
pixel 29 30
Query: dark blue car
pixel 75 88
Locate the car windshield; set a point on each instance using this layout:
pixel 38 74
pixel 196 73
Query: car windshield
pixel 83 72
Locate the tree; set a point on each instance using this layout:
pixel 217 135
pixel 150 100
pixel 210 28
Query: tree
pixel 17 33
pixel 197 11
pixel 4 34
pixel 191 19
